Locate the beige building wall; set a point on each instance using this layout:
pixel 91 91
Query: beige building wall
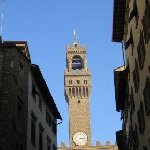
pixel 135 25
pixel 134 32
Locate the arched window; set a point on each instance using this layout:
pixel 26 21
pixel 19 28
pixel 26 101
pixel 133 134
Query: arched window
pixel 77 62
pixel 73 92
pixel 84 92
pixel 80 92
pixel 69 91
pixel 77 92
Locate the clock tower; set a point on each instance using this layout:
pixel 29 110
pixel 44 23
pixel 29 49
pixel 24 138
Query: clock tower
pixel 77 94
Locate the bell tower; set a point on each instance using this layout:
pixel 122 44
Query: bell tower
pixel 77 94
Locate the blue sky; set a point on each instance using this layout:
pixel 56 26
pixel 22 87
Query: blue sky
pixel 48 26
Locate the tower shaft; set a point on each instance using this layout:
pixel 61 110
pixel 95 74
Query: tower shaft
pixel 77 94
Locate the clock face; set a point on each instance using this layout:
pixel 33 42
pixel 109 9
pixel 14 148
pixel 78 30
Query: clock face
pixel 80 138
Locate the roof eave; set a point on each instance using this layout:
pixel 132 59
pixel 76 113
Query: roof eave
pixel 118 20
pixel 49 99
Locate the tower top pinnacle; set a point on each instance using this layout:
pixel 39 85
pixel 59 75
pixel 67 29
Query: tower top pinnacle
pixel 75 40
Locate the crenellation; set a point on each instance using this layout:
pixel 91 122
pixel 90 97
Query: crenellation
pixel 98 146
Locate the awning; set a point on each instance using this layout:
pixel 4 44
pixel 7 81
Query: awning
pixel 118 20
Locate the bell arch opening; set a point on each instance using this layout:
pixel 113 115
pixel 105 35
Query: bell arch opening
pixel 77 63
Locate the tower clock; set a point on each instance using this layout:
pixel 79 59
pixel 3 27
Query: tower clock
pixel 77 94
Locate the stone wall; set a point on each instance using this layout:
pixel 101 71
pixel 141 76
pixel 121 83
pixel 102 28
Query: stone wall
pixel 14 69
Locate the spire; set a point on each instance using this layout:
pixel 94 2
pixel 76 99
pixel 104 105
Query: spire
pixel 75 41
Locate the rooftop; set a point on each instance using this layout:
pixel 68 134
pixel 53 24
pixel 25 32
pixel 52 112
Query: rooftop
pixel 22 46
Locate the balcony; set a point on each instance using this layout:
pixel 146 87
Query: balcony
pixel 120 81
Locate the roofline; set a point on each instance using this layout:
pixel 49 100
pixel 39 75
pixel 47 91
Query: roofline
pixel 35 70
pixel 17 44
pixel 118 20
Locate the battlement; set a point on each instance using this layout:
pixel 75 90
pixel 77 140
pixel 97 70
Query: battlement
pixel 98 146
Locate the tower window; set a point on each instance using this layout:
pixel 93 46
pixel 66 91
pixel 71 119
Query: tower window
pixel 84 92
pixel 77 92
pixel 73 92
pixel 70 81
pixel 85 81
pixel 69 91
pixel 76 63
pixel 80 92
pixel 78 81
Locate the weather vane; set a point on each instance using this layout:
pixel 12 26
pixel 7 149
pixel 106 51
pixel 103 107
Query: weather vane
pixel 74 34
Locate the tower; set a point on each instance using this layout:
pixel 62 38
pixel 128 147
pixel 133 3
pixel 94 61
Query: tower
pixel 77 94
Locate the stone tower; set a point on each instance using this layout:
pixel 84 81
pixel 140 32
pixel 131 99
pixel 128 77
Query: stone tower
pixel 77 94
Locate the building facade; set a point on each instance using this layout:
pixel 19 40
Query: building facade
pixel 77 93
pixel 42 113
pixel 14 68
pixel 28 114
pixel 131 26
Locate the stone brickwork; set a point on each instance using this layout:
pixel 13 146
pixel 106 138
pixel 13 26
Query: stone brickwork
pixel 14 68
